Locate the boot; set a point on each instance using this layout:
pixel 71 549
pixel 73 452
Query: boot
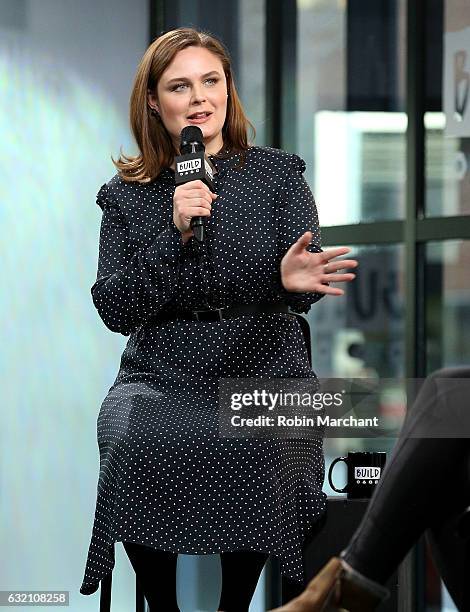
pixel 354 592
pixel 337 588
pixel 313 598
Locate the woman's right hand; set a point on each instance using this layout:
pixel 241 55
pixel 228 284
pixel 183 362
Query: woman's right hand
pixel 193 199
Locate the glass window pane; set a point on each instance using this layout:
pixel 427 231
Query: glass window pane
pixel 447 304
pixel 359 166
pixel 447 142
pixel 351 119
pixel 361 335
pixel 251 78
pixel 447 175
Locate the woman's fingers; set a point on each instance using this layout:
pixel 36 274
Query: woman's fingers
pixel 193 199
pixel 331 253
pixel 198 202
pixel 338 278
pixel 199 207
pixel 334 266
pixel 302 242
pixel 329 290
pixel 199 211
pixel 200 193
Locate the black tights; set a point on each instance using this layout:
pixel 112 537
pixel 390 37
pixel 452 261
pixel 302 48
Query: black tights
pixel 156 571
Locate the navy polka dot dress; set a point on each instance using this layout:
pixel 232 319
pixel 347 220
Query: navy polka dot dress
pixel 167 479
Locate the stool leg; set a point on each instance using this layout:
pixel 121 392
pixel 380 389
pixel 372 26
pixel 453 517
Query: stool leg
pixel 105 593
pixel 139 597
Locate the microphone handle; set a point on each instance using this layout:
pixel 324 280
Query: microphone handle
pixel 198 227
pixel 198 224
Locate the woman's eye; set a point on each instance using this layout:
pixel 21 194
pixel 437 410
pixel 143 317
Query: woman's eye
pixel 177 87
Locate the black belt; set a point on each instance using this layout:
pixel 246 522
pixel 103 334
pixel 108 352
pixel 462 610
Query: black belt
pixel 218 314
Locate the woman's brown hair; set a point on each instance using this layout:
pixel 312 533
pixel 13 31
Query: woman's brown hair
pixel 157 150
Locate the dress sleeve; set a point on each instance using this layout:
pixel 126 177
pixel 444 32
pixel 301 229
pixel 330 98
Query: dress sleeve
pixel 132 285
pixel 297 214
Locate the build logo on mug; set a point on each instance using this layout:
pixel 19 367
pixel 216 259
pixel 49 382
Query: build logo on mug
pixel 364 472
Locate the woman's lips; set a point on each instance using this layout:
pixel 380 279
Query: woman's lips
pixel 200 119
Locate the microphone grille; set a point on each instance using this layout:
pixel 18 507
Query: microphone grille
pixel 191 133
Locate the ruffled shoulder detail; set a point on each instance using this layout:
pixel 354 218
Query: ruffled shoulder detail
pixel 297 163
pixel 283 160
pixel 292 177
pixel 107 203
pixel 101 196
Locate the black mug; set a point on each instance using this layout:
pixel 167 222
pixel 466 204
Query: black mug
pixel 364 472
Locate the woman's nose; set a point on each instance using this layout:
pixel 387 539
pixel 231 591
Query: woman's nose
pixel 197 94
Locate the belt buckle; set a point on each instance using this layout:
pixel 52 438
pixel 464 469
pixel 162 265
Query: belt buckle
pixel 219 316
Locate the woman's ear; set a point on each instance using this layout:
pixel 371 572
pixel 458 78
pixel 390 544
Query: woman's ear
pixel 152 101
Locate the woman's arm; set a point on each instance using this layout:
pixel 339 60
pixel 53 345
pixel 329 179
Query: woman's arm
pixel 133 285
pixel 297 214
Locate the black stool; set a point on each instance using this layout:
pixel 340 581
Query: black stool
pixel 105 595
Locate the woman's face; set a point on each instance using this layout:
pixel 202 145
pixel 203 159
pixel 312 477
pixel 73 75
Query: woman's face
pixel 193 83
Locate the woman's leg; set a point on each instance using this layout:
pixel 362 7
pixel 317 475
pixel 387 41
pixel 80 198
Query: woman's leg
pixel 156 571
pixel 240 574
pixel 419 486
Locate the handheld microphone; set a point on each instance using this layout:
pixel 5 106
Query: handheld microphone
pixel 192 165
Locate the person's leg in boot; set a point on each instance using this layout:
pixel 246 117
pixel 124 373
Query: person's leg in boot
pixel 156 571
pixel 451 554
pixel 449 539
pixel 411 494
pixel 240 574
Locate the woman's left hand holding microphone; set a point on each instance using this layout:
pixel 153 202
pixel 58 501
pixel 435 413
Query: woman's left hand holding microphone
pixel 191 199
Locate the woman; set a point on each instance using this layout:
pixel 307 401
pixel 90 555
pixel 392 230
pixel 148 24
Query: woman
pixel 168 482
